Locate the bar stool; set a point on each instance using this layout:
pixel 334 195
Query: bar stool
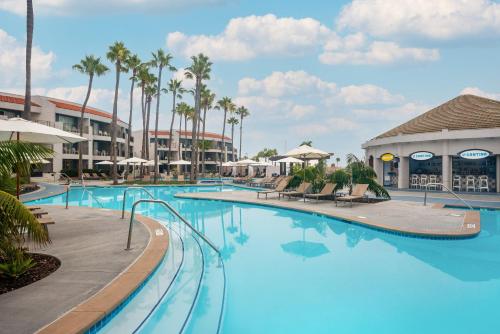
pixel 470 183
pixel 457 183
pixel 433 179
pixel 415 181
pixel 423 181
pixel 483 183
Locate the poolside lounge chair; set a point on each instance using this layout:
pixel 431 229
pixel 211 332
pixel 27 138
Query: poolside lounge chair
pixel 180 178
pixel 260 183
pixel 280 187
pixel 326 192
pixel 358 192
pixel 302 189
pixel 274 182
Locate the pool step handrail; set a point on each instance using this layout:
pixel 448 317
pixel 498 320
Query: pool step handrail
pixel 125 196
pixel 175 213
pixel 68 187
pixel 448 190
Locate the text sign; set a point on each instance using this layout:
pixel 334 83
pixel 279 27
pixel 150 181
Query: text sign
pixel 474 154
pixel 422 155
pixel 387 157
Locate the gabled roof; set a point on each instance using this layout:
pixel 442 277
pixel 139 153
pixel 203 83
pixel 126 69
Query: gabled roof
pixel 461 113
pixel 189 133
pixel 15 100
pixel 77 107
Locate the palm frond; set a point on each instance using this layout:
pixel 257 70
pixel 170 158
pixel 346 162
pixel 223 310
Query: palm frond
pixel 19 155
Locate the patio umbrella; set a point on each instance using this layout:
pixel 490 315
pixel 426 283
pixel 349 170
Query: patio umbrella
pixel 180 162
pixel 229 164
pixel 150 163
pixel 132 161
pixel 290 160
pixel 104 162
pixel 306 152
pixel 22 130
pixel 246 162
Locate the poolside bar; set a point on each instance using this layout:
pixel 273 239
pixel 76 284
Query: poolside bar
pixel 456 144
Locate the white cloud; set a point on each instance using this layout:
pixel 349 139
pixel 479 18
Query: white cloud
pixel 443 19
pixel 92 7
pixel 376 52
pixel 301 111
pixel 328 126
pixel 479 92
pixel 400 113
pixel 247 37
pixel 367 94
pixel 12 61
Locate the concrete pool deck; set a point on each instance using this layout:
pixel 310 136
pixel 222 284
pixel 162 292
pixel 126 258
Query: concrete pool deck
pixel 395 216
pixel 90 244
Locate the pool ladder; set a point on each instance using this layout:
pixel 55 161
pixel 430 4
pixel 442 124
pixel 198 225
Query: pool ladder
pixel 447 189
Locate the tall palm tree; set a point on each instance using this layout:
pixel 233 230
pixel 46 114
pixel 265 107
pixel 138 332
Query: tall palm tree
pixel 207 101
pixel 145 79
pixel 118 55
pixel 242 112
pixel 91 66
pixel 175 87
pixel 199 71
pixel 26 114
pixel 233 121
pixel 150 91
pixel 227 105
pixel 160 60
pixel 133 64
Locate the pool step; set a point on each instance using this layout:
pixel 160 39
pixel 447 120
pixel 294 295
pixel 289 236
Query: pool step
pixel 137 309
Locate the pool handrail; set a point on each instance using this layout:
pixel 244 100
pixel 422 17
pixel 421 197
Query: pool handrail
pixel 449 190
pixel 173 211
pixel 68 186
pixel 125 196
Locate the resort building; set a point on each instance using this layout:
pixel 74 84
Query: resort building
pixel 65 115
pixel 456 144
pixel 181 148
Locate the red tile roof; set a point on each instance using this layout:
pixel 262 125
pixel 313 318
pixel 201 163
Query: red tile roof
pixel 77 107
pixel 189 133
pixel 15 100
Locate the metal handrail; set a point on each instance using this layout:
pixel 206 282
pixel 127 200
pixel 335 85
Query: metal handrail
pixel 66 177
pixel 172 210
pixel 84 190
pixel 125 197
pixel 449 190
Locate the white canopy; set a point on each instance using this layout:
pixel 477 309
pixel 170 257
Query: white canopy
pixel 150 163
pixel 308 153
pixel 104 162
pixel 132 161
pixel 228 164
pixel 246 162
pixel 180 162
pixel 291 160
pixel 35 132
pixel 262 164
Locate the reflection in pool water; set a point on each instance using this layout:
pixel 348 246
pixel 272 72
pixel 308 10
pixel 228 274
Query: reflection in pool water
pixel 293 272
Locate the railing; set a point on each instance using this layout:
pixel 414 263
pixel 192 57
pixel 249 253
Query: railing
pixel 125 196
pixel 449 190
pixel 173 211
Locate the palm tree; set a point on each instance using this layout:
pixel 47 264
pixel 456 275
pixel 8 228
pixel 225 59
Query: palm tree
pixel 233 121
pixel 242 112
pixel 118 55
pixel 199 71
pixel 306 142
pixel 91 66
pixel 145 78
pixel 227 105
pixel 181 109
pixel 160 60
pixel 133 64
pixel 150 91
pixel 175 87
pixel 26 114
pixel 207 100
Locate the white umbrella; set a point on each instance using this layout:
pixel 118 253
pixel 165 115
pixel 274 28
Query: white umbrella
pixel 104 162
pixel 20 129
pixel 246 162
pixel 132 161
pixel 290 160
pixel 41 161
pixel 151 163
pixel 307 153
pixel 262 164
pixel 180 162
pixel 228 164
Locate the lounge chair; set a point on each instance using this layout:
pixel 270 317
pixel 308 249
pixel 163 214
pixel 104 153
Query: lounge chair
pixel 130 178
pixel 274 182
pixel 326 192
pixel 180 178
pixel 280 187
pixel 358 192
pixel 260 182
pixel 146 178
pixel 301 190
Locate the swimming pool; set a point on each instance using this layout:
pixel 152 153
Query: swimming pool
pixel 294 272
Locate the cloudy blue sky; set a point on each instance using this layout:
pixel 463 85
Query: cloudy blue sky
pixel 334 72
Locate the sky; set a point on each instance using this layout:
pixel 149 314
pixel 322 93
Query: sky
pixel 337 73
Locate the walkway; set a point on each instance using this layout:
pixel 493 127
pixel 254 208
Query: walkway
pixel 46 190
pixel 397 216
pixel 90 244
pixel 487 200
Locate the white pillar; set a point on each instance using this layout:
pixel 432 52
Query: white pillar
pixel 379 170
pixel 403 173
pixel 498 173
pixel 447 170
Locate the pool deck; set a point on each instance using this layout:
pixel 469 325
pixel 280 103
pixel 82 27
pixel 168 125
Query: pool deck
pixel 88 285
pixel 402 217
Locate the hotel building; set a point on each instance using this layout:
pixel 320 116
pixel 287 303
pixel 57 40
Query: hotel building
pixel 456 144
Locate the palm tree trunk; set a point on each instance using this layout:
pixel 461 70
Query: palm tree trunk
pixel 180 136
pixel 203 141
pixel 114 124
pixel 26 114
pixel 194 149
pixel 148 117
pixel 171 130
pixel 82 112
pixel 143 109
pixel 232 141
pixel 127 149
pixel 156 125
pixel 241 135
pixel 185 135
pixel 223 144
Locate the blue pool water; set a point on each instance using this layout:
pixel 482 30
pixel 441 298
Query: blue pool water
pixel 293 272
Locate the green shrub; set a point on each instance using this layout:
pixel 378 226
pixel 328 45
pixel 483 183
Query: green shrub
pixel 16 266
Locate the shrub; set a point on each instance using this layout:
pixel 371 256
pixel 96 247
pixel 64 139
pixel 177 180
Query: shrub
pixel 16 264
